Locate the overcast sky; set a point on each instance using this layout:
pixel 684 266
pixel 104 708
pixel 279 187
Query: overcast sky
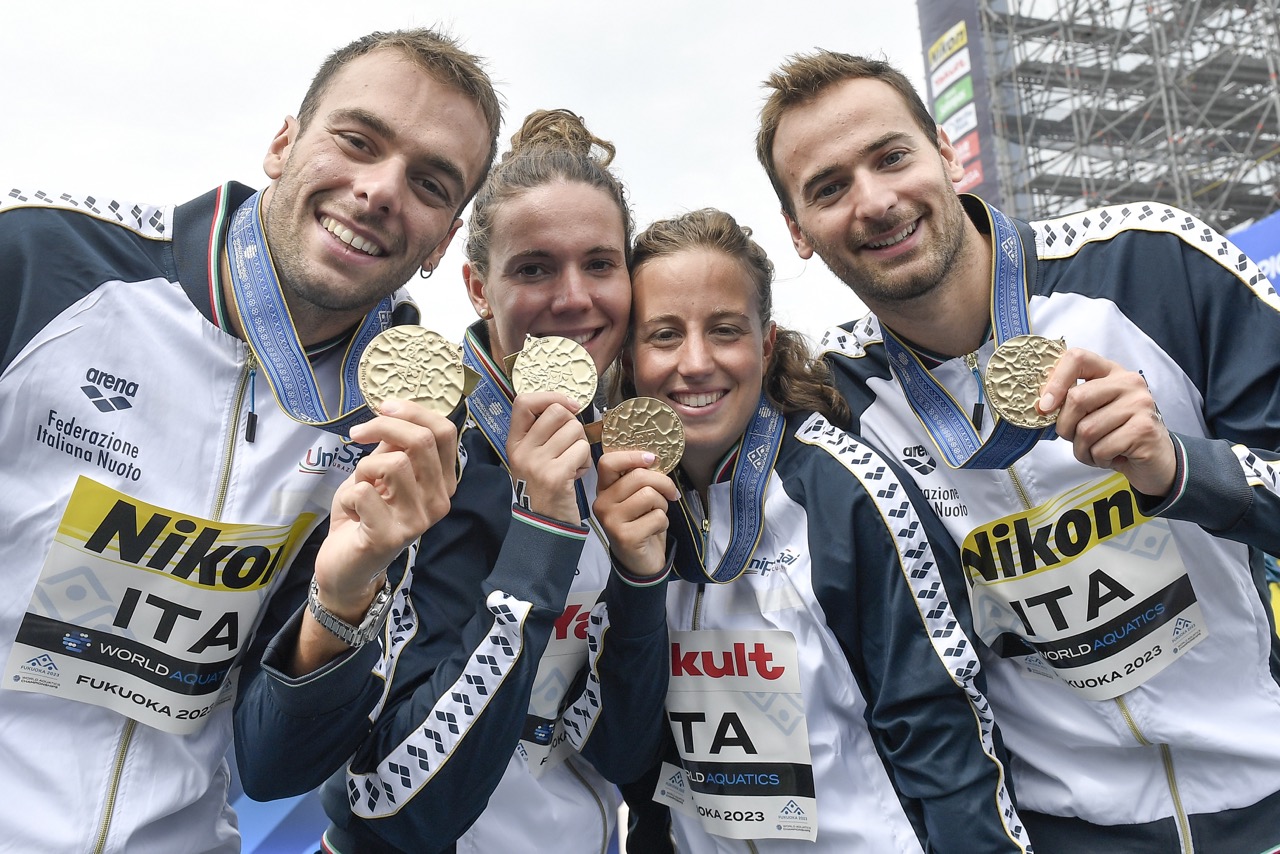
pixel 161 101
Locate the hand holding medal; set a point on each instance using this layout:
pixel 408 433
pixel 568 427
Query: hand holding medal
pixel 643 440
pixel 1110 416
pixel 554 379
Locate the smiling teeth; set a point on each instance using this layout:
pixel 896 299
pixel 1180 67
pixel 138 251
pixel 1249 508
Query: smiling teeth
pixel 349 237
pixel 897 238
pixel 697 400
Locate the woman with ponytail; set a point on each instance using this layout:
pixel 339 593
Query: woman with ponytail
pixel 491 736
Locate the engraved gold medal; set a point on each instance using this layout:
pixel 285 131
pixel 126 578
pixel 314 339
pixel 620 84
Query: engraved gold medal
pixel 555 364
pixel 645 424
pixel 1015 374
pixel 412 363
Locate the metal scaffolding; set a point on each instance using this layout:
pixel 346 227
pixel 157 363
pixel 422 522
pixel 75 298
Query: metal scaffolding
pixel 1103 101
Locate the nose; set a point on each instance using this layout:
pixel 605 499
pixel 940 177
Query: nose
pixel 874 196
pixel 574 293
pixel 379 185
pixel 695 357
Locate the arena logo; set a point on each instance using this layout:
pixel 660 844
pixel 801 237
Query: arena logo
pixel 101 383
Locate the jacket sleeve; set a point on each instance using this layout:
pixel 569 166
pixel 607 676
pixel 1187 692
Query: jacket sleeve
pixel 880 558
pixel 486 587
pixel 292 733
pixel 616 720
pixel 1217 317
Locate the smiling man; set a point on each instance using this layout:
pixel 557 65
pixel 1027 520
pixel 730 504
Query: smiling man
pixel 177 387
pixel 1114 566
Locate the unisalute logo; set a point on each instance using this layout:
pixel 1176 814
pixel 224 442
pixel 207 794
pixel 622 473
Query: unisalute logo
pixel 101 387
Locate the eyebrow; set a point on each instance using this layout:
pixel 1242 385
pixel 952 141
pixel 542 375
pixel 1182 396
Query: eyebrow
pixel 602 249
pixel 716 316
pixel 376 124
pixel 827 171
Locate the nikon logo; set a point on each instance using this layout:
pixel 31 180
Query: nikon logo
pixel 1016 546
pixel 185 548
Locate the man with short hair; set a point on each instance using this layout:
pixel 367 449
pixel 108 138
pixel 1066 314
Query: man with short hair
pixel 177 385
pixel 1114 569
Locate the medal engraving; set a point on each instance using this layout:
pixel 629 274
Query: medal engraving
pixel 1015 374
pixel 412 363
pixel 645 424
pixel 555 364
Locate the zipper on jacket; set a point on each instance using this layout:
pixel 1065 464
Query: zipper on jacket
pixel 971 359
pixel 604 820
pixel 247 372
pixel 1186 844
pixel 113 788
pixel 1180 814
pixel 220 497
pixel 697 610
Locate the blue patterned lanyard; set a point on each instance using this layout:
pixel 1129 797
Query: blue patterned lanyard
pixel 272 338
pixel 951 430
pixel 490 401
pixel 757 454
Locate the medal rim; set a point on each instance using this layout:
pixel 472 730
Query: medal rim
pixel 1017 416
pixel 616 417
pixel 375 395
pixel 538 350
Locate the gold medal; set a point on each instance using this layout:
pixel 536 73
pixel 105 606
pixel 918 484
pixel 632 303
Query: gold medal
pixel 412 363
pixel 555 364
pixel 645 424
pixel 1015 374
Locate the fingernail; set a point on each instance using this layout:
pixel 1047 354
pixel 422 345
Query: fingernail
pixel 389 407
pixel 648 458
pixel 1046 402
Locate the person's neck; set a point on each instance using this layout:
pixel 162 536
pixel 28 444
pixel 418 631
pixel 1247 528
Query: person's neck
pixel 954 318
pixel 311 325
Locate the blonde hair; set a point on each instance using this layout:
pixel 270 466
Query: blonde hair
pixel 551 145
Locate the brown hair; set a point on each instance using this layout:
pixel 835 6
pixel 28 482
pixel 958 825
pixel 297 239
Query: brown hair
pixel 439 55
pixel 551 145
pixel 794 379
pixel 803 77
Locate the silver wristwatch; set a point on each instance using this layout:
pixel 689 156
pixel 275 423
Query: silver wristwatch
pixel 353 636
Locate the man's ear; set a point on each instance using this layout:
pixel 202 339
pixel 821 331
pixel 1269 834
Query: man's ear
pixel 950 157
pixel 278 151
pixel 798 240
pixel 433 260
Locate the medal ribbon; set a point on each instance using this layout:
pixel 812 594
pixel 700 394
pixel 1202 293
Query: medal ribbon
pixel 951 430
pixel 490 401
pixel 273 340
pixel 756 456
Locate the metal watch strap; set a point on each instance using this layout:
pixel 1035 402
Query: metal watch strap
pixel 353 636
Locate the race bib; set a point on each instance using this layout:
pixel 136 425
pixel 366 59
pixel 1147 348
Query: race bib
pixel 1087 587
pixel 143 610
pixel 736 709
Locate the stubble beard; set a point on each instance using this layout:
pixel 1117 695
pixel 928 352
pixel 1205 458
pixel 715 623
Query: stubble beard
pixel 301 279
pixel 882 286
